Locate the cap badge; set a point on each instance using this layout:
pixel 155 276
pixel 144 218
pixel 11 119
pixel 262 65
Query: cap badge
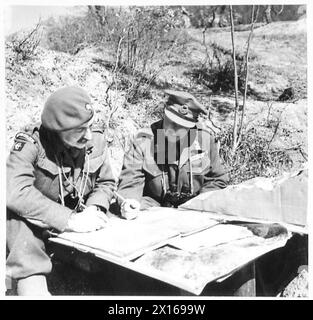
pixel 18 146
pixel 183 109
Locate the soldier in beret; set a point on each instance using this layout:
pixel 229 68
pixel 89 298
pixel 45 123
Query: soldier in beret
pixel 171 161
pixel 58 178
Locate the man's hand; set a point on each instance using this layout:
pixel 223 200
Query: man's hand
pixel 90 219
pixel 130 209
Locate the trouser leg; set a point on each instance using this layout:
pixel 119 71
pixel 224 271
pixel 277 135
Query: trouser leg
pixel 26 255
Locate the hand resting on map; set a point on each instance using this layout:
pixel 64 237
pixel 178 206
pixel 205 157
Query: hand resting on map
pixel 90 219
pixel 130 209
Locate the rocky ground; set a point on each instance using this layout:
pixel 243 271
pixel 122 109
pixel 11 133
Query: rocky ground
pixel 279 61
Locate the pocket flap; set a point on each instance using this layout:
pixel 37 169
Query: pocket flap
pixel 50 166
pixel 94 164
pixel 151 167
pixel 200 165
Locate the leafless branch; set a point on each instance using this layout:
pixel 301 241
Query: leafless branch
pixel 113 106
pixel 295 147
pixel 25 46
pixel 234 144
pixel 275 130
pixel 246 76
pixel 213 126
pixel 304 154
pixel 269 105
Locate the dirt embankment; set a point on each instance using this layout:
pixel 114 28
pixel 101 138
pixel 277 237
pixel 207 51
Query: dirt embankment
pixel 29 83
pixel 279 61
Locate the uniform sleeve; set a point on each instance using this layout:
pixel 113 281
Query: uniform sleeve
pixel 217 177
pixel 23 197
pixel 132 178
pixel 105 184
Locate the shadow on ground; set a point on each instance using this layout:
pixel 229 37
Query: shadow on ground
pixel 223 108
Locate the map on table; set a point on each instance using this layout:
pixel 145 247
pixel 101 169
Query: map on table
pixel 217 235
pixel 192 271
pixel 152 229
pixel 185 248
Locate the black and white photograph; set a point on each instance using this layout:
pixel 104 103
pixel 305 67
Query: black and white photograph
pixel 156 150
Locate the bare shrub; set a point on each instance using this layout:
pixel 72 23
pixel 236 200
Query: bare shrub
pixel 139 37
pixel 217 71
pixel 141 44
pixel 68 34
pixel 253 157
pixel 24 44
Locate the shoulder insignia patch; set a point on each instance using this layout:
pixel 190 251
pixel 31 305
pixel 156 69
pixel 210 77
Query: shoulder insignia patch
pixel 18 146
pixel 25 137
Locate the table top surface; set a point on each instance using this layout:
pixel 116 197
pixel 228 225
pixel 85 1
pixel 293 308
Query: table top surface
pixel 187 249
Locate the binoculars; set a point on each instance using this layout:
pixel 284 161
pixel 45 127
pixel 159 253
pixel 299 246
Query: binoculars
pixel 173 198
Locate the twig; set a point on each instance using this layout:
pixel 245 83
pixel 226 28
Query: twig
pixel 246 76
pixel 210 119
pixel 270 104
pixel 304 154
pixel 30 34
pixel 114 107
pixel 234 144
pixel 274 133
pixel 295 147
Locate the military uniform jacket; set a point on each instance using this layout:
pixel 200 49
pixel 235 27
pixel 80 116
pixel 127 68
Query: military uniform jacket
pixel 33 178
pixel 144 175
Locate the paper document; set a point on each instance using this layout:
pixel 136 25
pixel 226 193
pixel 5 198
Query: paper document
pixel 194 270
pixel 282 200
pixel 214 236
pixel 184 222
pixel 152 229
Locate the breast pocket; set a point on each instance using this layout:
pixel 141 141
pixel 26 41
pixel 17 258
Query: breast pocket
pixel 92 171
pixel 151 169
pixel 200 165
pixel 47 178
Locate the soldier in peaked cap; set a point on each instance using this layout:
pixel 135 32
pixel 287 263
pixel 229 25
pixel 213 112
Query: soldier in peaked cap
pixel 59 178
pixel 171 161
